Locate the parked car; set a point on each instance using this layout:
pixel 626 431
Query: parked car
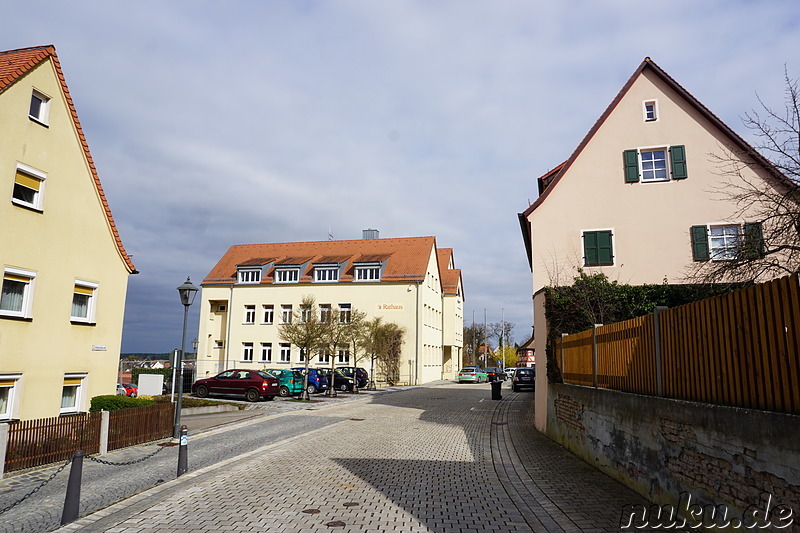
pixel 495 373
pixel 523 377
pixel 121 390
pixel 317 382
pixel 339 381
pixel 360 375
pixel 291 381
pixel 472 374
pixel 252 384
pixel 130 389
pixel 509 372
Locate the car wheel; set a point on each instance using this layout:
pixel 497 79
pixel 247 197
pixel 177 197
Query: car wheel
pixel 133 395
pixel 284 391
pixel 343 387
pixel 202 391
pixel 252 395
pixel 311 389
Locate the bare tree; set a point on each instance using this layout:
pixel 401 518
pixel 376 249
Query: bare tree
pixel 307 332
pixel 769 247
pixel 502 332
pixel 356 334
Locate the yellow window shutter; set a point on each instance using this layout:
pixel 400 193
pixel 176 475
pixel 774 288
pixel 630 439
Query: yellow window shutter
pixel 80 289
pixel 28 181
pixel 72 381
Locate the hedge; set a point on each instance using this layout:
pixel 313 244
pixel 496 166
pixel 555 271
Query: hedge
pixel 111 402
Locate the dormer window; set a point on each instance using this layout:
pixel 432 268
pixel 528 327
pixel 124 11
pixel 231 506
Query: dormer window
pixel 326 273
pixel 287 275
pixel 249 275
pixel 368 272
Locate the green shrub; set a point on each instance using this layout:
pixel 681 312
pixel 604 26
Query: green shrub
pixel 111 402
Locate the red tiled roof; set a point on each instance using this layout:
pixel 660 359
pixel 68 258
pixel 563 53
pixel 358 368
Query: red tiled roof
pixel 406 259
pixel 14 65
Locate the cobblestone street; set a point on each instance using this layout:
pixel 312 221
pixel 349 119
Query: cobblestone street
pixel 439 458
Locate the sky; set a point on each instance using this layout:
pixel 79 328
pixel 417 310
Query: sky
pixel 236 122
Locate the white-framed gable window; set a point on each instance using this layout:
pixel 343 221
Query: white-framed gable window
pixel 73 393
pixel 650 110
pixel 9 390
pixel 326 273
pixel 655 164
pixel 84 302
pixel 287 275
pixel 249 275
pixel 16 298
pixel 28 187
pixel 724 241
pixel 39 109
pixel 368 272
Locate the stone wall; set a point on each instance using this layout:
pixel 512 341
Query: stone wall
pixel 666 449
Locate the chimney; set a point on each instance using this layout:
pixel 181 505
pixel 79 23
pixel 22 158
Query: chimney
pixel 370 234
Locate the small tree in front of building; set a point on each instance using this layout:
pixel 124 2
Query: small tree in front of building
pixel 307 332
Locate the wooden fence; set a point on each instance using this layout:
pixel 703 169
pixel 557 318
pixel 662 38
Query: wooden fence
pixel 740 349
pixel 39 442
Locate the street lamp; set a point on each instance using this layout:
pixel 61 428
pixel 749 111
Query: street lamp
pixel 187 292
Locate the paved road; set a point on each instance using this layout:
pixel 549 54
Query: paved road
pixel 444 458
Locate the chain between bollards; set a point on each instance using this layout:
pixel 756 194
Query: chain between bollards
pixel 73 498
pixel 183 459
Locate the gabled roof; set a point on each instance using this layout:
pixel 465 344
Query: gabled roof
pixel 405 259
pixel 14 65
pixel 550 180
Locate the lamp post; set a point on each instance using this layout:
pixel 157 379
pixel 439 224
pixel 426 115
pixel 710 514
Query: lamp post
pixel 187 292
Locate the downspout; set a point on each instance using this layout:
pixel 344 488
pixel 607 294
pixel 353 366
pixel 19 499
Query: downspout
pixel 228 327
pixel 416 344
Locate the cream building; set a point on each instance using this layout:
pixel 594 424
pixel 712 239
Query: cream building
pixel 408 281
pixel 65 271
pixel 639 197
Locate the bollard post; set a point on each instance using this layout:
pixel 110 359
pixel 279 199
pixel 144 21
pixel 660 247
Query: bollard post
pixel 73 498
pixel 183 460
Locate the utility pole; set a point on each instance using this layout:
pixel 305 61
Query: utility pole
pixel 502 334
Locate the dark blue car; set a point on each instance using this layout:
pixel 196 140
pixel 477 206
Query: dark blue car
pixel 317 382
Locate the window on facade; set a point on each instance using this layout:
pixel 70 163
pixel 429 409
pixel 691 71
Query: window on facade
pixel 266 352
pixel 650 111
pixel 71 393
pixel 83 302
pixel 286 353
pixel 219 345
pixel 368 273
pixel 247 352
pixel 267 314
pixel 287 275
pixel 345 311
pixel 326 274
pixel 286 314
pixel 249 276
pixel 306 313
pixel 40 107
pixel 249 314
pixel 323 357
pixel 17 293
pixel 324 313
pixel 655 164
pixel 343 355
pixel 722 242
pixel 302 355
pixel 598 249
pixel 8 384
pixel 28 187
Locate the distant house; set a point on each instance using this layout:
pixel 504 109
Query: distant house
pixel 65 270
pixel 256 287
pixel 526 354
pixel 638 199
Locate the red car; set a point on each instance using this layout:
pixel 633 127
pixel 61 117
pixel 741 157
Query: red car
pixel 130 389
pixel 252 384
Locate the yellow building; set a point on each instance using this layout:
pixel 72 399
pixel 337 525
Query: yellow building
pixel 408 281
pixel 65 271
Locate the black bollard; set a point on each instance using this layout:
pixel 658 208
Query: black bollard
pixel 496 388
pixel 73 498
pixel 183 459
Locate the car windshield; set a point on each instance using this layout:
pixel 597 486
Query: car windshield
pixel 265 375
pixel 525 372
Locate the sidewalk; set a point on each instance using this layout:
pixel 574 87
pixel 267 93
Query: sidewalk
pixel 439 459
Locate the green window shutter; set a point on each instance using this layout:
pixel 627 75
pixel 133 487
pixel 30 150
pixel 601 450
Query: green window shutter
pixel 598 248
pixel 700 250
pixel 677 159
pixel 753 240
pixel 631 160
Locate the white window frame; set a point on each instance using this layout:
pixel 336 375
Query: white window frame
pixel 343 355
pixel 266 352
pixel 286 353
pixel 91 304
pixel 80 393
pixel 10 383
pixel 250 276
pixel 323 357
pixel 247 352
pixel 219 345
pixel 267 313
pixel 287 275
pixel 302 356
pixel 730 250
pixel 326 274
pixel 656 114
pixel 38 196
pixel 249 316
pixel 286 314
pixel 325 313
pixel 345 313
pixel 44 108
pixel 367 272
pixel 666 169
pixel 26 308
